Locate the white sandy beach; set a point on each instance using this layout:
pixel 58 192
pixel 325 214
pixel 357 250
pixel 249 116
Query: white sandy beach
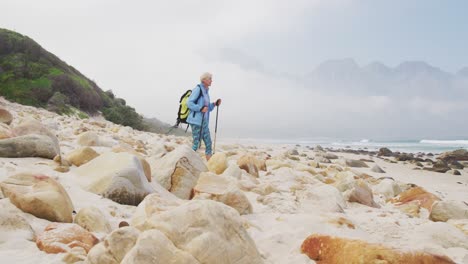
pixel 294 198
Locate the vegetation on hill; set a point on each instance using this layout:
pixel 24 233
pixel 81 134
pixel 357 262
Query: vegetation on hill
pixel 31 75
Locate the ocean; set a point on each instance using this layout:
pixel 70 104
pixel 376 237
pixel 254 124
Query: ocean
pixel 409 146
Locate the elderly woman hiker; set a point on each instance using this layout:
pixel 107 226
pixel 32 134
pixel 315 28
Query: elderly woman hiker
pixel 199 117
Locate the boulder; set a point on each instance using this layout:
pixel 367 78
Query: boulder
pixel 88 138
pixel 60 237
pixel 424 198
pixel 233 171
pixel 114 247
pixel 361 193
pixel 39 195
pixel 28 146
pixel 404 156
pixel 356 163
pixel 34 127
pixel 5 116
pixel 377 169
pixel 388 188
pixel 144 162
pixel 324 196
pixel 327 249
pixel 153 246
pixel 178 171
pixel 207 230
pixel 330 156
pixel 458 155
pixel 248 163
pixel 93 220
pixel 456 165
pixel 444 210
pixel 13 226
pixel 81 156
pixel 385 152
pixel 218 163
pixel 222 189
pixel 116 176
pixel 5 131
pixel 440 166
pixel 455 172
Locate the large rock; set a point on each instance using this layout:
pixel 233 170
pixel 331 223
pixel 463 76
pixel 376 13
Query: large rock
pixel 59 238
pixel 218 163
pixel 249 164
pixel 117 176
pixel 385 152
pixel 440 166
pixel 326 197
pixel 388 188
pixel 178 171
pixel 209 231
pixel 93 220
pixel 222 189
pixel 40 196
pixel 28 146
pixel 34 127
pixel 153 246
pixel 114 247
pixel 361 193
pixel 327 249
pixel 81 156
pixel 233 171
pixel 445 210
pixel 144 162
pixel 458 155
pixel 88 138
pixel 418 194
pixel 356 163
pixel 5 116
pixel 377 169
pixel 13 226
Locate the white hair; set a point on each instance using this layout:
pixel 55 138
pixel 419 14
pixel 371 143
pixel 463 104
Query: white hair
pixel 206 75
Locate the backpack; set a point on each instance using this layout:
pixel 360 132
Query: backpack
pixel 184 111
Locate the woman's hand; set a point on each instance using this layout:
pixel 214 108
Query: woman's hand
pixel 218 102
pixel 204 109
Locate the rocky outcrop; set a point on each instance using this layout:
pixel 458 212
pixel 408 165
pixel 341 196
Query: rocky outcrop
pixel 59 238
pixel 40 196
pixel 327 249
pixel 116 176
pixel 178 171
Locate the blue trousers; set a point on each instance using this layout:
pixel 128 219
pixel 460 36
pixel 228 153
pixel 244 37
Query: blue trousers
pixel 206 137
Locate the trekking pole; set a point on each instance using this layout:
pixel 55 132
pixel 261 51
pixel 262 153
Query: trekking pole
pixel 201 130
pixel 216 129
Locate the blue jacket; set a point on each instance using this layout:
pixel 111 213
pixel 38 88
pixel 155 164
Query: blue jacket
pixel 195 116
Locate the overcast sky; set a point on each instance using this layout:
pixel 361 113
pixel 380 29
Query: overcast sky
pixel 150 52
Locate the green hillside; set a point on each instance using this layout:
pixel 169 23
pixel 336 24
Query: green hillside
pixel 31 75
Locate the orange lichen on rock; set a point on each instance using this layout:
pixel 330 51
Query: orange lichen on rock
pixel 332 250
pixel 59 237
pixel 425 198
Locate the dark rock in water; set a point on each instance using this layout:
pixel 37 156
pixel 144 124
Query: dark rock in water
pixel 377 169
pixel 440 166
pixel 430 155
pixel 29 146
pixel 456 165
pixel 356 163
pixel 385 152
pixel 459 155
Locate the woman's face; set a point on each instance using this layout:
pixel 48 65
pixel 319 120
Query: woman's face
pixel 207 82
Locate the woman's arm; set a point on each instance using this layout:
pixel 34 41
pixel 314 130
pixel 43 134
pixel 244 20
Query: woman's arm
pixel 192 101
